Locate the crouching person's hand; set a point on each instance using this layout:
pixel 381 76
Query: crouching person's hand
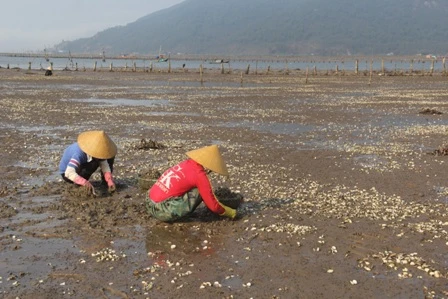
pixel 228 212
pixel 86 184
pixel 110 182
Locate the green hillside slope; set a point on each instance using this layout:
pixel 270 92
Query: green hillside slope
pixel 281 27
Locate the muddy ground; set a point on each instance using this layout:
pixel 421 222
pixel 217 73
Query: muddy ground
pixel 343 179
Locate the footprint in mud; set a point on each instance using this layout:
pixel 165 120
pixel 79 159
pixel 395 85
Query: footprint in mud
pixel 6 211
pixel 182 239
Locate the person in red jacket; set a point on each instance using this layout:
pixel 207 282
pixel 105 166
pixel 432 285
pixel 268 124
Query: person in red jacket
pixel 181 188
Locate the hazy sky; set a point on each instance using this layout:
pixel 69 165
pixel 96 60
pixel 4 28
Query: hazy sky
pixel 32 25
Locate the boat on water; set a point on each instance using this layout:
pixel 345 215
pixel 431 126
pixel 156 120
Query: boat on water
pixel 218 61
pixel 161 57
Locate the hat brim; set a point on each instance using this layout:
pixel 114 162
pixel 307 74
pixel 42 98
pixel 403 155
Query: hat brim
pixel 97 144
pixel 210 158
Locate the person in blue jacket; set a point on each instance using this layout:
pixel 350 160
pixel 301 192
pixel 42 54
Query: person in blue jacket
pixel 93 150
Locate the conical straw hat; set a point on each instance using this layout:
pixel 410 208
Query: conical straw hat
pixel 97 144
pixel 210 158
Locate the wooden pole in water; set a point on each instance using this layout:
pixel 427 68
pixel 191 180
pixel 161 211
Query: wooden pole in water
pixel 256 67
pixel 432 68
pixel 241 78
pixel 150 67
pixel 94 67
pixel 306 76
pixel 337 69
pixel 247 70
pixel 111 67
pixel 200 73
pixel 314 71
pixel 444 66
pixel 382 66
pixel 268 69
pixel 222 68
pixel 356 66
pixel 76 66
pixel 411 68
pixel 29 66
pixel 135 67
pixel 370 77
pixel 169 66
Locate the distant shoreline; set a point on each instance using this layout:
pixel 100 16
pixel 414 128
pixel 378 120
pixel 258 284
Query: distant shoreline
pixel 210 57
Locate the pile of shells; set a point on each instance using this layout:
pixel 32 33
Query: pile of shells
pixel 435 227
pixel 344 202
pixel 289 228
pixel 420 130
pixel 401 261
pixel 107 254
pixel 147 286
pixel 140 272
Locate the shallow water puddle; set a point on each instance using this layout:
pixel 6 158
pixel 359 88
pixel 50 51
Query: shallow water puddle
pixel 31 216
pixel 394 120
pixel 442 194
pixel 275 128
pixel 39 131
pixel 177 239
pixel 123 102
pixel 32 255
pixel 166 113
pixel 370 161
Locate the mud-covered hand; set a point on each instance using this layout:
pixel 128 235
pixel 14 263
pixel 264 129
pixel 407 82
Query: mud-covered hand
pixel 110 182
pixel 90 190
pixel 228 212
pixel 86 184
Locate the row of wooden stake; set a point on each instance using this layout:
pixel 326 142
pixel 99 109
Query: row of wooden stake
pixel 247 71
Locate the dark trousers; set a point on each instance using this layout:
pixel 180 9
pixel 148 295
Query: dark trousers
pixel 87 169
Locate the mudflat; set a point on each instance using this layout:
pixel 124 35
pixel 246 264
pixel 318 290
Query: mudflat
pixel 342 176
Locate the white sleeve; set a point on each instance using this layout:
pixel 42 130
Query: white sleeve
pixel 70 173
pixel 104 166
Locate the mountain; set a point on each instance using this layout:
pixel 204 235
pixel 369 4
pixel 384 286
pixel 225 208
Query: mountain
pixel 280 27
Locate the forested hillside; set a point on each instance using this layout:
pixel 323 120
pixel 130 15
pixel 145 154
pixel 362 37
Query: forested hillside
pixel 281 27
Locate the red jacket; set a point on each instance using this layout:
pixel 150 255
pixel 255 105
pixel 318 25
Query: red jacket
pixel 181 178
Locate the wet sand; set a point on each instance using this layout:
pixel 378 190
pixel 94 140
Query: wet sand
pixel 344 196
